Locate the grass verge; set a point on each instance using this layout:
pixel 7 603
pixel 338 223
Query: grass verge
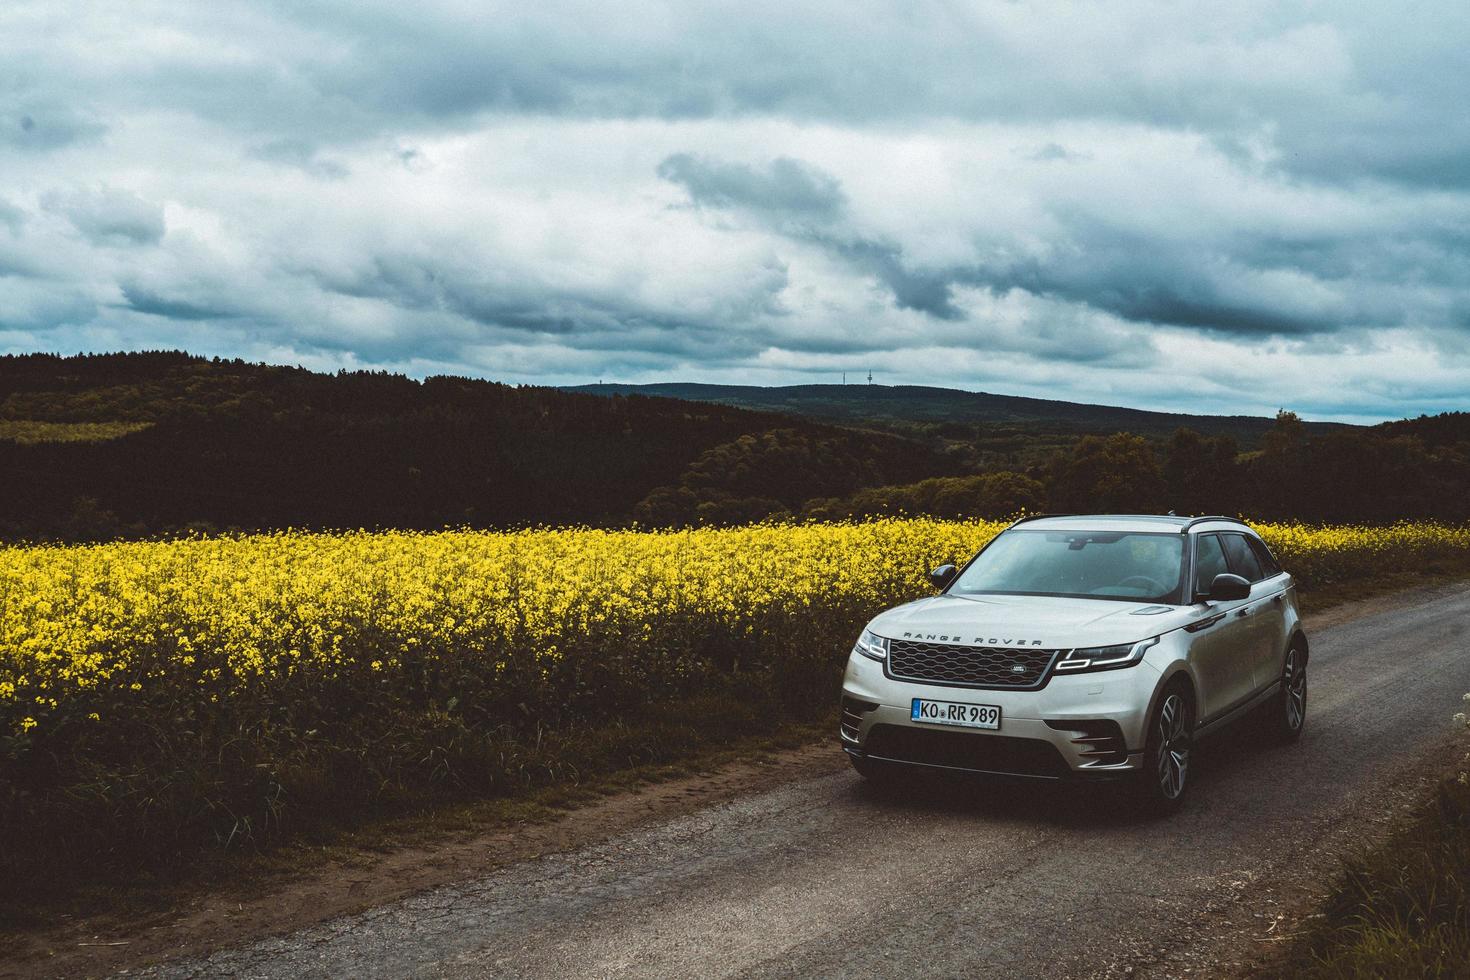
pixel 1437 570
pixel 1399 911
pixel 558 772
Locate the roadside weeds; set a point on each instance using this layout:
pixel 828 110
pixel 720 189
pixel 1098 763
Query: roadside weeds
pixel 1400 909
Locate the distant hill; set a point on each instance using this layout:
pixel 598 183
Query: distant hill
pixel 864 403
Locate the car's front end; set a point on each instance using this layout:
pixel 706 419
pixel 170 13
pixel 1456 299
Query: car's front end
pixel 997 704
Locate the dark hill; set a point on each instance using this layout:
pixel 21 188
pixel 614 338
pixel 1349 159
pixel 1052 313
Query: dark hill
pixel 862 403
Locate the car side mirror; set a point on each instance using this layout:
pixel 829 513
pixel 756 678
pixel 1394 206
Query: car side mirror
pixel 942 576
pixel 1227 587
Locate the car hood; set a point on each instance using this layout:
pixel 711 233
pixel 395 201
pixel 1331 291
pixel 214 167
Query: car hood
pixel 1026 621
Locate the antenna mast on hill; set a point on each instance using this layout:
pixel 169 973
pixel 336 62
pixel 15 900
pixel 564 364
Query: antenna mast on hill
pixel 870 377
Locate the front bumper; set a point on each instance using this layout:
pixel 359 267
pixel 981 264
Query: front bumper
pixel 1077 725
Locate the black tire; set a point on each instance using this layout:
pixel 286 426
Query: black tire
pixel 1163 783
pixel 1286 712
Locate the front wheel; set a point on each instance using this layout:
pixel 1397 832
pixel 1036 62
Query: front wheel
pixel 1287 712
pixel 1162 784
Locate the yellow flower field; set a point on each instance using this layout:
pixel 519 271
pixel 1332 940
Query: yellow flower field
pixel 207 619
pixel 161 697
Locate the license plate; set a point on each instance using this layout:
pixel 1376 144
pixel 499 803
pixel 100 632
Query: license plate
pixel 955 713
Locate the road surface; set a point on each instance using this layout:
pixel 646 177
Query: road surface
pixel 826 876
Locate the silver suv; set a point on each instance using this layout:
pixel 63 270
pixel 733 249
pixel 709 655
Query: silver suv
pixel 1089 647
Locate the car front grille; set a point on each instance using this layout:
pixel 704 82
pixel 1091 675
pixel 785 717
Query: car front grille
pixel 965 750
pixel 950 663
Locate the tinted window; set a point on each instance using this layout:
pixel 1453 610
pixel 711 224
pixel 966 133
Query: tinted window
pixel 1209 561
pixel 1263 555
pixel 1141 567
pixel 1242 559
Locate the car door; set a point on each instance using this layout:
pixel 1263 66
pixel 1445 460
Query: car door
pixel 1272 612
pixel 1262 612
pixel 1221 649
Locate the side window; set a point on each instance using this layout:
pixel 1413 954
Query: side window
pixel 1242 559
pixel 1209 561
pixel 1269 567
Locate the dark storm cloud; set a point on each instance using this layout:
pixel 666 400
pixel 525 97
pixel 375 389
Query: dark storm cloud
pixel 108 216
pixel 144 300
pixel 926 292
pixel 1247 285
pixel 801 201
pixel 585 319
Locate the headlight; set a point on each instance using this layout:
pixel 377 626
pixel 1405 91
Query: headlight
pixel 872 645
pixel 1106 658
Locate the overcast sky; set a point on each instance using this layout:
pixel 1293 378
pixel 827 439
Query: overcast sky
pixel 1211 207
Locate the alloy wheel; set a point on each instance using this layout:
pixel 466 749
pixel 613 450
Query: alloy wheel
pixel 1174 739
pixel 1294 681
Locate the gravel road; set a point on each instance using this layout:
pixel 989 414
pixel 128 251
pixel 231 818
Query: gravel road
pixel 825 876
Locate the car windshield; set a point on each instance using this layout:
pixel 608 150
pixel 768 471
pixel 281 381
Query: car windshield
pixel 1132 567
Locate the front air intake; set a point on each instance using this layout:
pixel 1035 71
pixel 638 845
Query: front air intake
pixel 1100 741
pixel 852 716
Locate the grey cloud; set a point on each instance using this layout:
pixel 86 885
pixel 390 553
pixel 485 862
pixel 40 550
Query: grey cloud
pixel 1355 91
pixel 1340 88
pixel 11 216
pixel 109 216
pixel 926 292
pixel 44 127
pixel 1054 152
pixel 581 319
pixel 1231 285
pixel 145 300
pixel 303 155
pixel 784 188
pixel 1252 285
pixel 808 204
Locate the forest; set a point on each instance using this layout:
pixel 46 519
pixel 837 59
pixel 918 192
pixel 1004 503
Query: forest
pixel 98 447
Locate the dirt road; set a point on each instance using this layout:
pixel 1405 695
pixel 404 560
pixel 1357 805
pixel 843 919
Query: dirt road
pixel 824 876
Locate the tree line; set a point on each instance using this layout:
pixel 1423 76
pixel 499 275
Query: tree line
pixel 134 445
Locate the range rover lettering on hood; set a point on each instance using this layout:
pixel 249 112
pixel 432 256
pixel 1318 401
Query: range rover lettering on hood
pixel 1003 641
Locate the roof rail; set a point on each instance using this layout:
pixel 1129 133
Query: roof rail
pixel 1184 529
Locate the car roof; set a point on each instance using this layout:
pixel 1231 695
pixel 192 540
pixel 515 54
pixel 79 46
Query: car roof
pixel 1129 522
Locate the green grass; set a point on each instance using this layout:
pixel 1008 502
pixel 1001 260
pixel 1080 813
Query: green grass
pixel 1399 911
pixel 28 433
